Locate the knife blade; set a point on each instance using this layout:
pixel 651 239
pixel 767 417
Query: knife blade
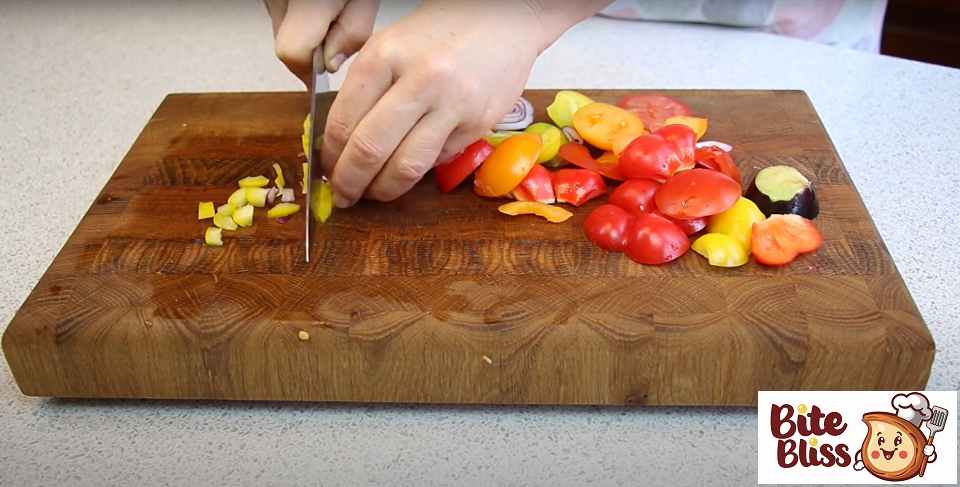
pixel 319 84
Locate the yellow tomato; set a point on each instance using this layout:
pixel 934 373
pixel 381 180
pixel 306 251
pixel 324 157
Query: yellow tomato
pixel 600 123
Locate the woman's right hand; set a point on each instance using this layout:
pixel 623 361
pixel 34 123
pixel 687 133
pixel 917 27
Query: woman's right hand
pixel 299 26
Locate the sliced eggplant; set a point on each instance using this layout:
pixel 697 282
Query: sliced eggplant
pixel 783 190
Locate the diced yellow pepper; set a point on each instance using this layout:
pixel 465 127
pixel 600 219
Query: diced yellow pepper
pixel 205 211
pixel 226 209
pixel 225 222
pixel 303 184
pixel 254 182
pixel 213 236
pixel 239 198
pixel 244 216
pixel 321 204
pixel 280 181
pixel 283 209
pixel 257 196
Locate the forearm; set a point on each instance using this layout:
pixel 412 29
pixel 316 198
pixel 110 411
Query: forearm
pixel 555 17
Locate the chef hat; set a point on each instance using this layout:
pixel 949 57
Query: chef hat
pixel 914 407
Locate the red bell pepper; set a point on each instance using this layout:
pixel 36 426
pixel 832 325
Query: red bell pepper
pixel 577 186
pixel 579 155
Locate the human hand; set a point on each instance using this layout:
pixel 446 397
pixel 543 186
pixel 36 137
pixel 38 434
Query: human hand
pixel 299 26
pixel 424 88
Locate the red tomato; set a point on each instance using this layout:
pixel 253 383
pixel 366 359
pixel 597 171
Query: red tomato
pixel 537 186
pixel 719 160
pixel 685 140
pixel 697 193
pixel 778 239
pixel 653 239
pixel 654 108
pixel 607 227
pixel 453 172
pixel 635 196
pixel 579 155
pixel 577 186
pixel 651 157
pixel 689 226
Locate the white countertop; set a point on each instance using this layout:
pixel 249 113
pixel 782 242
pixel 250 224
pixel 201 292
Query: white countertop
pixel 78 81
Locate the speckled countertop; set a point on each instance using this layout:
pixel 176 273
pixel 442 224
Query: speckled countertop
pixel 78 80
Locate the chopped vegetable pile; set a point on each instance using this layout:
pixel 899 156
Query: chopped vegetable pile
pixel 668 186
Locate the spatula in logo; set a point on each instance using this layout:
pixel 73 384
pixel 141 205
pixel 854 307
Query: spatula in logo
pixel 935 424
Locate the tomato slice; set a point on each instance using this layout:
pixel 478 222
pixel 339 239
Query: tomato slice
pixel 450 174
pixel 685 141
pixel 653 239
pixel 620 142
pixel 654 108
pixel 607 226
pixel 719 160
pixel 697 193
pixel 608 157
pixel 699 125
pixel 600 123
pixel 780 238
pixel 689 226
pixel 506 167
pixel 577 186
pixel 553 214
pixel 537 186
pixel 651 157
pixel 579 155
pixel 635 196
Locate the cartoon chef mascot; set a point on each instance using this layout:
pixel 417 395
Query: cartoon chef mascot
pixel 895 449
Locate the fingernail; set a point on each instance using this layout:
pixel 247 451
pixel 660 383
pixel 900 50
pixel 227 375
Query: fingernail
pixel 336 62
pixel 341 202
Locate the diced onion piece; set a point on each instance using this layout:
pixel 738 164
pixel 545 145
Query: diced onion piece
pixel 213 236
pixel 254 182
pixel 226 209
pixel 280 181
pixel 303 184
pixel 225 222
pixel 713 143
pixel 239 198
pixel 572 135
pixel 205 211
pixel 519 118
pixel 553 214
pixel 257 196
pixel 244 216
pixel 287 195
pixel 282 210
pixel 271 195
pixel 321 204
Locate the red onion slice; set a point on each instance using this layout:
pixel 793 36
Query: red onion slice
pixel 287 195
pixel 519 118
pixel 712 143
pixel 572 135
pixel 271 195
pixel 283 219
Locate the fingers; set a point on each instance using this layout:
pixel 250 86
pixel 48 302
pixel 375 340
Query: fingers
pixel 304 26
pixel 349 32
pixel 374 141
pixel 416 155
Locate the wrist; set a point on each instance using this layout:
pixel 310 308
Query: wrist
pixel 553 18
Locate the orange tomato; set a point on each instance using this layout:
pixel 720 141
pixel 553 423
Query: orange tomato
pixel 507 165
pixel 600 123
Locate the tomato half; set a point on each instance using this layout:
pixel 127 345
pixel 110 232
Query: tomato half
pixel 697 193
pixel 536 186
pixel 635 196
pixel 506 167
pixel 600 123
pixel 685 140
pixel 579 155
pixel 653 239
pixel 719 160
pixel 606 227
pixel 450 174
pixel 654 108
pixel 577 186
pixel 780 238
pixel 651 157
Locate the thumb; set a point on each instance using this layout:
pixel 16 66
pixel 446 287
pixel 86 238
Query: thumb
pixel 349 32
pixel 304 27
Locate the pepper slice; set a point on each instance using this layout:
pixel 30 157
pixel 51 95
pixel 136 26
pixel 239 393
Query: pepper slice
pixel 321 201
pixel 280 181
pixel 282 210
pixel 254 182
pixel 553 214
pixel 721 250
pixel 213 236
pixel 579 155
pixel 205 210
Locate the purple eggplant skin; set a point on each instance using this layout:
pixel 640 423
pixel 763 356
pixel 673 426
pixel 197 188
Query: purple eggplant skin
pixel 805 203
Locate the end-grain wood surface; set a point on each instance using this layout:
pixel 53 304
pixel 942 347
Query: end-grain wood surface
pixel 440 298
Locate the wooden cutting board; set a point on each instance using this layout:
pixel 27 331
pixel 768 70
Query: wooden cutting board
pixel 440 298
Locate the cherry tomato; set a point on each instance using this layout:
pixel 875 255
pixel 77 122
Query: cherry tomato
pixel 685 140
pixel 651 157
pixel 635 196
pixel 653 239
pixel 697 193
pixel 579 155
pixel 506 167
pixel 719 160
pixel 450 174
pixel 654 108
pixel 600 123
pixel 577 186
pixel 606 227
pixel 780 238
pixel 537 186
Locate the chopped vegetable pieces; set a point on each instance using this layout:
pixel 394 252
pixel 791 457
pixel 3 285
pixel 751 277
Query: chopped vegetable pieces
pixel 287 195
pixel 244 216
pixel 282 210
pixel 257 197
pixel 213 236
pixel 279 181
pixel 205 211
pixel 780 238
pixel 321 204
pixel 553 214
pixel 238 198
pixel 225 222
pixel 721 250
pixel 226 209
pixel 254 182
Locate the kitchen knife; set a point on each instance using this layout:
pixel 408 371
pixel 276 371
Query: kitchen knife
pixel 319 84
